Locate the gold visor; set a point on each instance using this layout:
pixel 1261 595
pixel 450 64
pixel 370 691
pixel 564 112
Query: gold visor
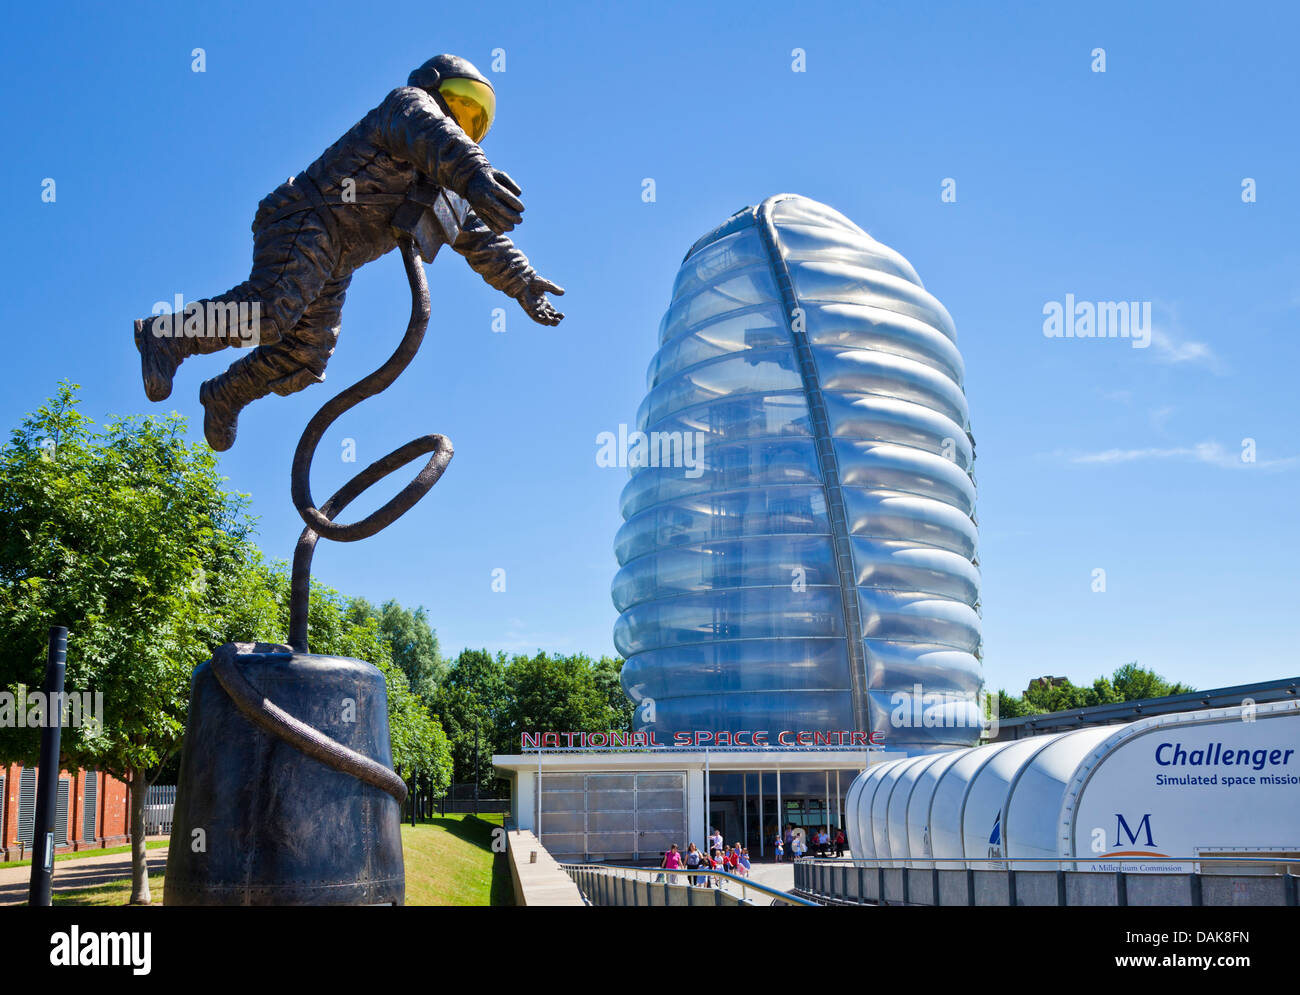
pixel 472 103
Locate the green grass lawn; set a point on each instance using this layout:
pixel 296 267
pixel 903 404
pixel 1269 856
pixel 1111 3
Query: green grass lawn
pixel 82 854
pixel 112 893
pixel 449 861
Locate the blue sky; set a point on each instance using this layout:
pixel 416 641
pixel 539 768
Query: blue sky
pixel 1122 185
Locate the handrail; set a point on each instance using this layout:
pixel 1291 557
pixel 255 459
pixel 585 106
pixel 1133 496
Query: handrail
pixel 935 863
pixel 745 883
pixel 1185 881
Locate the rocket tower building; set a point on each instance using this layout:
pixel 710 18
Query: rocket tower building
pixel 815 567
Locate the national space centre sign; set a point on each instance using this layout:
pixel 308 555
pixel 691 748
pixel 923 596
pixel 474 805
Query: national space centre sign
pixel 702 738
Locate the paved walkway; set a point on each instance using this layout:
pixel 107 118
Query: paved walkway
pixel 69 875
pixel 779 876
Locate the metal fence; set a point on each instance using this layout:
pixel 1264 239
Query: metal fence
pixel 611 885
pixel 459 798
pixel 976 883
pixel 159 801
pixel 461 805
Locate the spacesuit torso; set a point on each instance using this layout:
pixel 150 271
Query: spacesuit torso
pixel 397 171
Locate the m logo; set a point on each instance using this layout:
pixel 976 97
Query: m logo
pixel 1122 827
pixel 995 838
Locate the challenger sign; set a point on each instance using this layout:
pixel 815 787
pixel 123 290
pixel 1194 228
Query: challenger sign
pixel 1222 788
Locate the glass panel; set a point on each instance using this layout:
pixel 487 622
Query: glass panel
pixel 732 252
pixel 725 783
pixel 863 371
pixel 862 326
pixel 762 710
pixel 879 466
pixel 758 562
pixel 750 416
pixel 715 667
pixel 701 468
pixel 896 422
pixel 748 374
pixel 919 520
pixel 818 281
pixel 749 613
pixel 758 328
pixel 775 511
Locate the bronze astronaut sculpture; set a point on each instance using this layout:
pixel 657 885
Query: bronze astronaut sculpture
pixel 412 167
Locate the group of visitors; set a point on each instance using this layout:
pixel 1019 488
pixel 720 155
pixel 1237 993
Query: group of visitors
pixel 791 843
pixel 732 859
pixel 820 842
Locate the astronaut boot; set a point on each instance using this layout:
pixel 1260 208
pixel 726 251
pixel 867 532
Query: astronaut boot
pixel 164 346
pixel 161 354
pixel 223 397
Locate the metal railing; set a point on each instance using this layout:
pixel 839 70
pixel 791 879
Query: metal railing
pixel 614 885
pixel 1053 881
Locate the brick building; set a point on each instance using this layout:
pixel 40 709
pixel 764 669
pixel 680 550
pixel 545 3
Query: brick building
pixel 92 811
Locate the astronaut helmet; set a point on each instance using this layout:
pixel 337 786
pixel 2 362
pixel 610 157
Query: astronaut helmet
pixel 466 92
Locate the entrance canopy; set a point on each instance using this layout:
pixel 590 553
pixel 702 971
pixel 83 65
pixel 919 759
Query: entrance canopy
pixel 621 806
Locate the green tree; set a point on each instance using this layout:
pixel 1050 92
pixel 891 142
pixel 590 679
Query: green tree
pixel 471 704
pixel 126 536
pixel 1103 693
pixel 1128 683
pixel 338 626
pixel 1133 683
pixel 471 735
pixel 1012 708
pixel 606 671
pixel 556 693
pixel 483 676
pixel 412 642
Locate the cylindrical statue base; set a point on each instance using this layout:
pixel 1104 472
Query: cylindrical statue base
pixel 257 821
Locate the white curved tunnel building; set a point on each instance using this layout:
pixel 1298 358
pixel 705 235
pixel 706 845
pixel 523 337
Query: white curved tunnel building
pixel 1219 783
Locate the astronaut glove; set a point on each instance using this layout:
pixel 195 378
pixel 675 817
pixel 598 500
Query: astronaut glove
pixel 494 197
pixel 533 300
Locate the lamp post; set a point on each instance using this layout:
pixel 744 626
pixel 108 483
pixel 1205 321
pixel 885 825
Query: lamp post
pixel 47 784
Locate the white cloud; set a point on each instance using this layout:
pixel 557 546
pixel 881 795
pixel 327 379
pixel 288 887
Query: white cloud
pixel 1209 452
pixel 1171 346
pixel 1167 348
